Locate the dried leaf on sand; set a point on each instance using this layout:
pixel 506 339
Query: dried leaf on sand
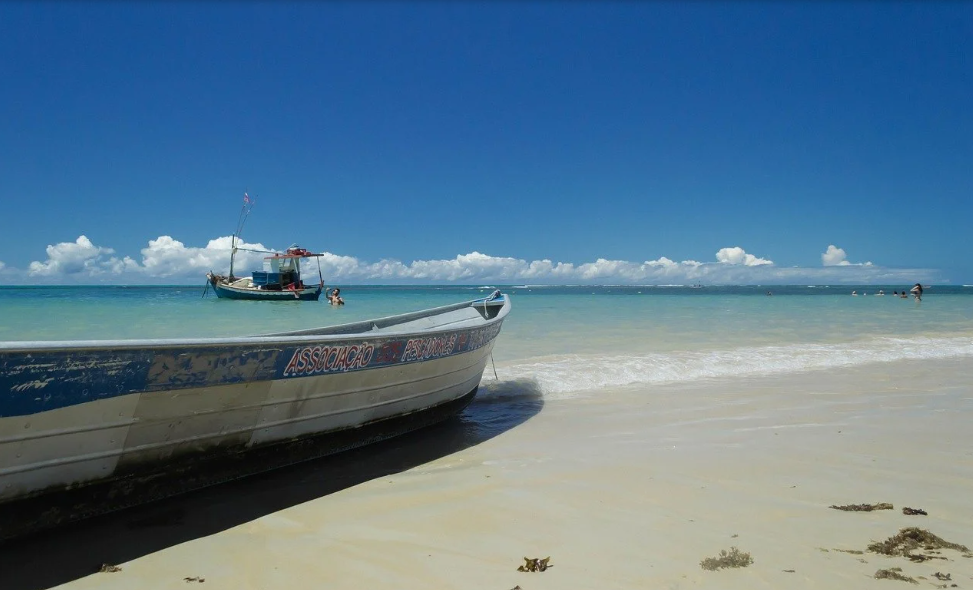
pixel 535 564
pixel 863 507
pixel 732 558
pixel 893 574
pixel 912 538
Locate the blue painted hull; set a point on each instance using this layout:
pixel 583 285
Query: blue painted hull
pixel 224 292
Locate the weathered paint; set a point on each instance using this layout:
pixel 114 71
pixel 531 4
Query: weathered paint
pixel 87 412
pixel 43 381
pixel 178 369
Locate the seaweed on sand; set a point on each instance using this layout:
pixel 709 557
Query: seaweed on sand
pixel 910 539
pixel 914 511
pixel 732 558
pixel 535 564
pixel 893 574
pixel 863 507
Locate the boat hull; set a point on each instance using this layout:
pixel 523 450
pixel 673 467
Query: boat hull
pixel 127 417
pixel 194 472
pixel 229 292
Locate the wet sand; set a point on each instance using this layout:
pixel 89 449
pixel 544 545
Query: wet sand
pixel 628 488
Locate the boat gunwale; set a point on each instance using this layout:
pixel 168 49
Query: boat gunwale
pixel 337 332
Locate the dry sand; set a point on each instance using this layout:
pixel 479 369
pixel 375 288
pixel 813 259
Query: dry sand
pixel 631 489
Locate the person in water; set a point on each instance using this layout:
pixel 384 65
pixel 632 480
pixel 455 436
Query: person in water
pixel 917 291
pixel 335 298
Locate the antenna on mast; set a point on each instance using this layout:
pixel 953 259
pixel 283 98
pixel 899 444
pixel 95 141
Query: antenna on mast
pixel 248 204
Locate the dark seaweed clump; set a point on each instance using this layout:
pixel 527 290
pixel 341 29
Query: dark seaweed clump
pixel 909 539
pixel 732 558
pixel 914 511
pixel 893 574
pixel 863 507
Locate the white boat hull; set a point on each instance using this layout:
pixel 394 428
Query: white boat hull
pixel 216 400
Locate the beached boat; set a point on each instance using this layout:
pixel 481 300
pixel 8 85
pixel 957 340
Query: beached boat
pixel 91 426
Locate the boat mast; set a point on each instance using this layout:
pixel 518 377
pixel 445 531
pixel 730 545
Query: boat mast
pixel 248 204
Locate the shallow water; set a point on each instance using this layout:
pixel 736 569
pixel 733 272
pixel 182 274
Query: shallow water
pixel 564 339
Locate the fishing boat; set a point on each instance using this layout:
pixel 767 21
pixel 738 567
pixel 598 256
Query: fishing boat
pixel 280 280
pixel 91 426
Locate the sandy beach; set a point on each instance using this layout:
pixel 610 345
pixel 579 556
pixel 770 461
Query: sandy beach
pixel 622 489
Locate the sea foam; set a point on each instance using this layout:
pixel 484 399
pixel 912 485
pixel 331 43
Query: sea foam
pixel 566 376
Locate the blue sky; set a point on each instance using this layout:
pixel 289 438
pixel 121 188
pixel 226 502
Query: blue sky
pixel 460 141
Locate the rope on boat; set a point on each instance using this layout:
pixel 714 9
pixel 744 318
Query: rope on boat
pixel 494 367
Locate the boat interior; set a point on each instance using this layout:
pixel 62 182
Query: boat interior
pixel 460 315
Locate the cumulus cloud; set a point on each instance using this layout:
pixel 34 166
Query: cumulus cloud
pixel 76 258
pixel 737 255
pixel 166 259
pixel 835 256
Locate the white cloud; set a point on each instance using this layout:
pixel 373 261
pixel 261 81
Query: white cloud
pixel 737 255
pixel 78 257
pixel 835 256
pixel 166 259
pixel 662 262
pixel 163 258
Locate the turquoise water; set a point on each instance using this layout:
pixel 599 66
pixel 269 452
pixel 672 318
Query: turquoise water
pixel 566 338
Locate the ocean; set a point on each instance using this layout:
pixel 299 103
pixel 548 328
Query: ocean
pixel 569 341
pixel 628 433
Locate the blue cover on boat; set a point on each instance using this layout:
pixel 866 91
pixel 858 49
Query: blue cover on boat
pixel 261 277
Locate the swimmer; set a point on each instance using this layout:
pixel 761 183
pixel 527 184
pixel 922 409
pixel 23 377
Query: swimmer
pixel 917 292
pixel 335 298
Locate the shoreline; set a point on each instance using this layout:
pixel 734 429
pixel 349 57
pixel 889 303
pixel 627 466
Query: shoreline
pixel 630 488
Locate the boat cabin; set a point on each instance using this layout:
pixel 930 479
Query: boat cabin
pixel 280 271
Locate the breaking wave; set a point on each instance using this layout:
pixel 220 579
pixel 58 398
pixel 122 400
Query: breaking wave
pixel 567 376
